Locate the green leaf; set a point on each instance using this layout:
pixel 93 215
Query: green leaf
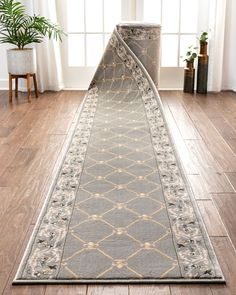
pixel 191 54
pixel 21 29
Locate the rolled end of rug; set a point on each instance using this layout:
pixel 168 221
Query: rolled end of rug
pixel 144 40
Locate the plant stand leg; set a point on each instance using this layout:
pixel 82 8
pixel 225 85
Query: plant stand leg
pixel 28 87
pixel 10 88
pixel 16 87
pixel 35 85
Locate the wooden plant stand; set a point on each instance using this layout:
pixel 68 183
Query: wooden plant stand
pixel 27 77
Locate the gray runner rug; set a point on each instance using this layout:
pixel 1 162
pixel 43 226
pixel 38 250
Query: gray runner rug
pixel 120 210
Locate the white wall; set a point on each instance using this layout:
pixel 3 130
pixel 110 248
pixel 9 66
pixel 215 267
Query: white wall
pixel 229 67
pixel 3 67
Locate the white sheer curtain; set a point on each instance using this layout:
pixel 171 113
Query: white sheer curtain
pixel 229 69
pixel 49 67
pixel 216 44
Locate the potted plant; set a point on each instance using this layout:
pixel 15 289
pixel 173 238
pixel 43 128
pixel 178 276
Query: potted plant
pixel 202 72
pixel 190 55
pixel 21 29
pixel 189 71
pixel 203 40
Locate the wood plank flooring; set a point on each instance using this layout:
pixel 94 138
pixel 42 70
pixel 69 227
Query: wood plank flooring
pixel 33 140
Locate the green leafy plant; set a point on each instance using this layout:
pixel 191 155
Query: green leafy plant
pixel 203 38
pixel 191 54
pixel 21 29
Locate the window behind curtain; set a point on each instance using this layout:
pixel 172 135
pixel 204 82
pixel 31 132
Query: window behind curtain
pixel 179 20
pixel 89 25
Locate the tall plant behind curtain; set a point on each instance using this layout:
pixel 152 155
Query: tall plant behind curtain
pixel 49 67
pixel 216 44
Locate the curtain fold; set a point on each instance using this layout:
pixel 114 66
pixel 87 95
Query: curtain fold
pixel 229 69
pixel 49 66
pixel 216 45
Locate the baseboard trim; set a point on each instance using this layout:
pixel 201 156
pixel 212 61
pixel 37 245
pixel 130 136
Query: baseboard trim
pixel 75 88
pixel 170 89
pixel 3 84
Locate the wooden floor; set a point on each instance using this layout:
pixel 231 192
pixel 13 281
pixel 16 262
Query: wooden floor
pixel 33 139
